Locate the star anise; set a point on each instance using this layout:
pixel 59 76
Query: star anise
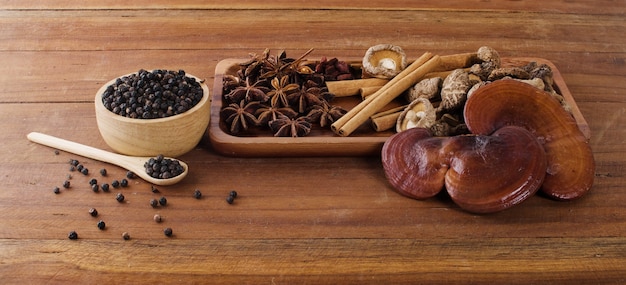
pixel 266 113
pixel 305 98
pixel 254 92
pixel 290 127
pixel 240 116
pixel 253 67
pixel 282 89
pixel 281 65
pixel 325 114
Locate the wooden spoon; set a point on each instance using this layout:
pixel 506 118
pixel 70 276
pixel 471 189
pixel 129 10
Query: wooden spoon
pixel 132 163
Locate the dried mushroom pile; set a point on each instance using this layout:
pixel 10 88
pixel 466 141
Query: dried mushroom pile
pixel 437 101
pixel 285 95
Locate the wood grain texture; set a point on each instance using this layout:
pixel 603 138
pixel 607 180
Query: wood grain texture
pixel 297 220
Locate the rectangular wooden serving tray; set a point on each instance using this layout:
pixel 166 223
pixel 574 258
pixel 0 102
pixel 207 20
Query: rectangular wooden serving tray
pixel 365 141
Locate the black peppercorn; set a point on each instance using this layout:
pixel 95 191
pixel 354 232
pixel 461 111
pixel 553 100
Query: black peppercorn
pixel 95 187
pixel 79 167
pixel 74 162
pixel 84 171
pixel 233 194
pixel 93 212
pixel 101 225
pixel 103 172
pixel 230 199
pixel 155 190
pixel 125 236
pixel 119 197
pixel 124 182
pixel 157 218
pixel 115 184
pixel 72 168
pixel 72 235
pixel 197 194
pixel 154 202
pixel 168 232
pixel 162 201
pixel 93 181
pixel 105 187
pixel 66 184
pixel 56 190
pixel 130 175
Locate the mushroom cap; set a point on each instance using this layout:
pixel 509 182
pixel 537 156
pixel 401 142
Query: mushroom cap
pixel 384 61
pixel 419 113
pixel 492 173
pixel 412 164
pixel 482 174
pixel 571 166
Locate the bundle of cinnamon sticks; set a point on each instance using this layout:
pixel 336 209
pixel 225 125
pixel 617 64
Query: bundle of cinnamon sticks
pixel 391 89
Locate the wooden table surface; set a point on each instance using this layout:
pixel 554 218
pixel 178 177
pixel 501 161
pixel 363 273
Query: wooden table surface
pixel 297 220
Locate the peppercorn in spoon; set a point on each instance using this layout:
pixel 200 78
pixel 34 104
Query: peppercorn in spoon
pixel 132 163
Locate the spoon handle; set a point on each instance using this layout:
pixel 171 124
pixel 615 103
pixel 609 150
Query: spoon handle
pixel 76 148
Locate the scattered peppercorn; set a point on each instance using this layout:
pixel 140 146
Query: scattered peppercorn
pixel 79 167
pixel 163 201
pixel 157 218
pixel 119 197
pixel 233 194
pixel 103 172
pixel 230 199
pixel 72 235
pixel 124 182
pixel 155 190
pixel 74 162
pixel 56 190
pixel 66 184
pixel 105 187
pixel 163 168
pixel 115 184
pixel 125 235
pixel 95 187
pixel 101 225
pixel 72 168
pixel 168 232
pixel 56 152
pixel 152 94
pixel 69 176
pixel 154 202
pixel 93 181
pixel 84 171
pixel 197 194
pixel 131 175
pixel 93 212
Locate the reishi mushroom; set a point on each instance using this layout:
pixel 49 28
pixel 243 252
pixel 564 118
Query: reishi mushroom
pixel 571 166
pixel 482 174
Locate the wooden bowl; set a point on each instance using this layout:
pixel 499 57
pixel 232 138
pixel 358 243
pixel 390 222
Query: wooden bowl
pixel 171 136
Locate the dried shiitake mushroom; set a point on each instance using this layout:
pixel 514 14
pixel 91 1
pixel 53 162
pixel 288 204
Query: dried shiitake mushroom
pixel 571 166
pixel 384 61
pixel 420 113
pixel 482 174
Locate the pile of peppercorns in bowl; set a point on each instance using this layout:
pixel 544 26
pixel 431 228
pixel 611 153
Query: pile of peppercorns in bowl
pixel 154 112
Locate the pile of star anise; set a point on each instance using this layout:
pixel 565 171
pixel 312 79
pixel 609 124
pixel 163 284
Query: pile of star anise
pixel 285 95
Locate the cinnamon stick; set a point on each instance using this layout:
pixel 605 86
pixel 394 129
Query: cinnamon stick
pixel 386 120
pixel 343 88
